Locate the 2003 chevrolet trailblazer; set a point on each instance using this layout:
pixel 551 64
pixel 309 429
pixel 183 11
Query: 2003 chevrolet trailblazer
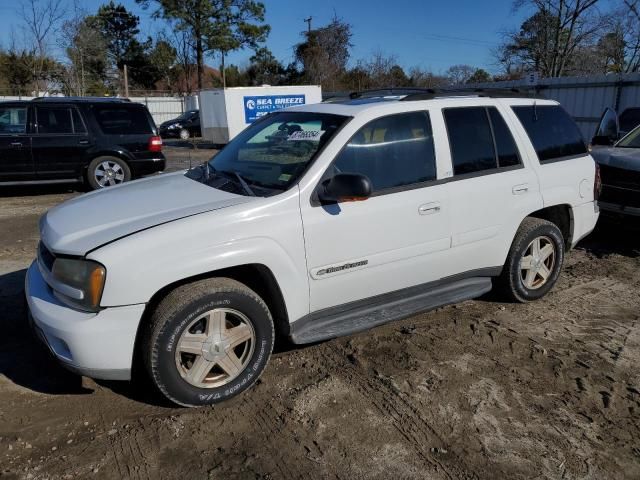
pixel 272 238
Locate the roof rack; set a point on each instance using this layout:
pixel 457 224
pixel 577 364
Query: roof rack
pixel 389 91
pixel 81 99
pixel 430 94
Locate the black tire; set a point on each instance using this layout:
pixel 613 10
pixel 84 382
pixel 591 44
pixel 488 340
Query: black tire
pixel 121 169
pixel 511 283
pixel 177 312
pixel 184 134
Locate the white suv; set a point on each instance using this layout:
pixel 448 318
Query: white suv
pixel 315 222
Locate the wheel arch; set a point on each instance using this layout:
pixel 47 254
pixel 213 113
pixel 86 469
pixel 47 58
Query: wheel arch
pixel 257 277
pixel 560 215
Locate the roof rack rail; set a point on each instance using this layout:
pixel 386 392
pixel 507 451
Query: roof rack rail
pixel 80 99
pixel 389 91
pixel 471 92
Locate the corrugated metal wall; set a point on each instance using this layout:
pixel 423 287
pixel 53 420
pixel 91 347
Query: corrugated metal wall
pixel 161 108
pixel 585 98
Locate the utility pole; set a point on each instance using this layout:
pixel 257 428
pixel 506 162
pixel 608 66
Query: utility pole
pixel 126 82
pixel 308 22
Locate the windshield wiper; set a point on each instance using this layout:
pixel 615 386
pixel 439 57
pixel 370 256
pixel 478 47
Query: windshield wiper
pixel 244 184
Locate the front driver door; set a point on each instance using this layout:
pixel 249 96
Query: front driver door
pixel 16 163
pixel 393 240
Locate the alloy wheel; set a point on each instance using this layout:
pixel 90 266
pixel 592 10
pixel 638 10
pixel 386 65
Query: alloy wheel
pixel 537 263
pixel 109 173
pixel 215 348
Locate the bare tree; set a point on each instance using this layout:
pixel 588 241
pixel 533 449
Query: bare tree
pixel 41 19
pixel 630 25
pixel 549 39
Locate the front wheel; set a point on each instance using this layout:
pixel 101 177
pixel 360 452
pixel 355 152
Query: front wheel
pixel 208 341
pixel 534 262
pixel 184 134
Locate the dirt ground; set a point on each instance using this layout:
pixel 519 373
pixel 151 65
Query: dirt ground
pixel 482 389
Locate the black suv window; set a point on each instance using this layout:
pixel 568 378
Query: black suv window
pixel 552 132
pixel 123 120
pixel 13 120
pixel 480 140
pixel 629 119
pixel 54 120
pixel 392 151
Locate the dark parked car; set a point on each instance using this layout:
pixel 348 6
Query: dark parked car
pixel 185 126
pixel 100 141
pixel 619 166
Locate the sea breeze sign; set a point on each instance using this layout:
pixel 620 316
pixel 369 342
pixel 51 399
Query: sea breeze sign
pixel 256 107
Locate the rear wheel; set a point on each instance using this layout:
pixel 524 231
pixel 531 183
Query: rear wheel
pixel 107 171
pixel 534 262
pixel 208 341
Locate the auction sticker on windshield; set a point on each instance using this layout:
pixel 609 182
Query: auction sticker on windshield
pixel 257 106
pixel 305 135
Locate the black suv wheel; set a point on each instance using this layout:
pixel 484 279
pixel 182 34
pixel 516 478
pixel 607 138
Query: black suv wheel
pixel 107 172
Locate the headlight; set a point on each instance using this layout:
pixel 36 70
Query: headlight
pixel 175 125
pixel 82 281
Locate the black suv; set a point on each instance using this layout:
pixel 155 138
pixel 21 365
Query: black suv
pixel 185 126
pixel 100 141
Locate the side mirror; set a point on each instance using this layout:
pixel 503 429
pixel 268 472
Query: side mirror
pixel 345 187
pixel 602 140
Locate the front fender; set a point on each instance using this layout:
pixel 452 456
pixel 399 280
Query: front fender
pixel 140 265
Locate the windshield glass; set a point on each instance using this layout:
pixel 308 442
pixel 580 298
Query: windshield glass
pixel 632 140
pixel 186 115
pixel 270 155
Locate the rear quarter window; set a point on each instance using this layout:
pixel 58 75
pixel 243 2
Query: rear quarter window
pixel 123 120
pixel 553 133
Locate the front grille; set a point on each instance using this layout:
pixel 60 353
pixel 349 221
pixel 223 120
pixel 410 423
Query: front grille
pixel 620 177
pixel 46 257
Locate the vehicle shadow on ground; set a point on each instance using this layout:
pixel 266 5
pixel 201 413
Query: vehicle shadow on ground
pixel 614 236
pixel 23 359
pixel 43 189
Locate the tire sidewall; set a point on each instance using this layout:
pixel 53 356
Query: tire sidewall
pixel 554 234
pixel 91 177
pixel 164 368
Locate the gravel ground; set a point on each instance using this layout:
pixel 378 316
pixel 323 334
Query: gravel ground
pixel 483 389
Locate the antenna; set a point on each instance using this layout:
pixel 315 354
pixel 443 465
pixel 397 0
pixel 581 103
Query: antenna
pixel 308 22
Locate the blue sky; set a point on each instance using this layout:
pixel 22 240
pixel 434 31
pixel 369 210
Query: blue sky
pixel 429 34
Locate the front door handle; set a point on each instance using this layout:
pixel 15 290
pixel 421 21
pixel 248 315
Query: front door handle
pixel 429 208
pixel 83 142
pixel 520 189
pixel 16 144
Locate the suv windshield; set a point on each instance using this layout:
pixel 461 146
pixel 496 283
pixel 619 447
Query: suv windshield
pixel 270 155
pixel 632 140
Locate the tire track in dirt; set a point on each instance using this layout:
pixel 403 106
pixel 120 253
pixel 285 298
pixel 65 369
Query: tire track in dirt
pixel 407 419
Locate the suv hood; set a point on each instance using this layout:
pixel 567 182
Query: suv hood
pixel 89 221
pixel 626 158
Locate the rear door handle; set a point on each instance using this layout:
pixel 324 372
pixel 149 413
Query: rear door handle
pixel 429 208
pixel 16 144
pixel 520 189
pixel 83 142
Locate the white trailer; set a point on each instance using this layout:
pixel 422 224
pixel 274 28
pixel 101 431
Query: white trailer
pixel 225 113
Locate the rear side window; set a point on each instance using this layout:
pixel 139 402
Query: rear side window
pixel 54 120
pixel 123 120
pixel 480 140
pixel 393 151
pixel 552 132
pixel 13 120
pixel 78 124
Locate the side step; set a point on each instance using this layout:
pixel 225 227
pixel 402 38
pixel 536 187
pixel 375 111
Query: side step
pixel 365 314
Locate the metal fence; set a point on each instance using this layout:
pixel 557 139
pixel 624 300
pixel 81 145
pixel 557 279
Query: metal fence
pixel 161 108
pixel 585 98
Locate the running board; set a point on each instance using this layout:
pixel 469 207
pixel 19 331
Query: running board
pixel 365 314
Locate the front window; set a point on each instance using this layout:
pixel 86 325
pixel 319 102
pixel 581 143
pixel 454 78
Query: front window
pixel 270 155
pixel 632 140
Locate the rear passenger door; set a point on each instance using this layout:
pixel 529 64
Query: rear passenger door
pixel 59 142
pixel 393 240
pixel 490 191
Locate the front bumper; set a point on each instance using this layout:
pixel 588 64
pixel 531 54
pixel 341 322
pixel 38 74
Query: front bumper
pixel 97 345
